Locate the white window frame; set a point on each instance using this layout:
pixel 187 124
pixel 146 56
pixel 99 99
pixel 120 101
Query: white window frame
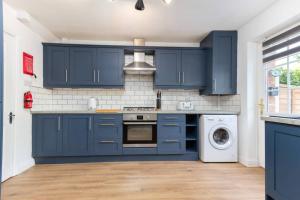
pixel 283 114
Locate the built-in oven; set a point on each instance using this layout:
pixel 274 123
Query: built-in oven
pixel 140 130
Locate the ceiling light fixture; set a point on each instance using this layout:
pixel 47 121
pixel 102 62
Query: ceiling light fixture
pixel 167 1
pixel 140 5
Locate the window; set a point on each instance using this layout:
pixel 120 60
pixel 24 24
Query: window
pixel 282 69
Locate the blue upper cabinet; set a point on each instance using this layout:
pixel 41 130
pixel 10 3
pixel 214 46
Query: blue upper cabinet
pixel 56 66
pixel 193 68
pixel 168 64
pixel 82 66
pixel 178 68
pixel 222 63
pixel 77 136
pixel 47 135
pixel 83 70
pixel 282 161
pixel 110 64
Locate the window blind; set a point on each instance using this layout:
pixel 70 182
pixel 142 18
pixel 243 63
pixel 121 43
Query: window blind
pixel 282 45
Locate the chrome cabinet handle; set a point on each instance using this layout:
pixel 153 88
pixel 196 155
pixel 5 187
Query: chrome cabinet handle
pixel 106 124
pixel 90 123
pixel 214 84
pixel 58 124
pixel 182 77
pixel 98 71
pixel 170 125
pixel 66 75
pixel 171 141
pixel 171 118
pixel 108 118
pixel 107 141
pixel 94 75
pixel 179 77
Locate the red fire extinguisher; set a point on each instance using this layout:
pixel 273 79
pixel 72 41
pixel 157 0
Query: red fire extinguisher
pixel 28 100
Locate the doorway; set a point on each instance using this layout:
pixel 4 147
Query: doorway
pixel 9 103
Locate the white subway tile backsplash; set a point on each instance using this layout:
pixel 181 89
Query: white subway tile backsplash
pixel 138 91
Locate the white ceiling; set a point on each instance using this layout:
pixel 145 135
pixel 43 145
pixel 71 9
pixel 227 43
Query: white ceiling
pixel 181 21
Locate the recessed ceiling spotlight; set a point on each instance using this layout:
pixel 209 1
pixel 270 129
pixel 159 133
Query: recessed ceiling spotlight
pixel 140 5
pixel 167 1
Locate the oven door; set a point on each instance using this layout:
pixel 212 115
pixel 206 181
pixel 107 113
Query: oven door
pixel 139 134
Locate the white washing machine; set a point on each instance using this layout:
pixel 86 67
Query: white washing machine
pixel 218 138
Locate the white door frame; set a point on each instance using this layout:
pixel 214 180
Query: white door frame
pixel 9 105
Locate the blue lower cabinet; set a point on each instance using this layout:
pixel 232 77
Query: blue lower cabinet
pixel 47 135
pixel 282 162
pixel 107 147
pixel 107 135
pixel 77 135
pixel 171 146
pixel 171 134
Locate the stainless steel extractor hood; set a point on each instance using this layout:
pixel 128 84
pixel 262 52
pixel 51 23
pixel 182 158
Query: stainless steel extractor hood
pixel 139 65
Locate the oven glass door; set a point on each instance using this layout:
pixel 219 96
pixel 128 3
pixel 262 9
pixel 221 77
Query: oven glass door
pixel 140 134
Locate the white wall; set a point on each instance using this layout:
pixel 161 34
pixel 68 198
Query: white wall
pixel 280 15
pixel 30 42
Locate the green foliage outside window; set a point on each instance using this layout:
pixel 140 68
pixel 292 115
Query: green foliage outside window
pixel 294 75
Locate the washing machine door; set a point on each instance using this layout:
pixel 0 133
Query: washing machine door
pixel 220 137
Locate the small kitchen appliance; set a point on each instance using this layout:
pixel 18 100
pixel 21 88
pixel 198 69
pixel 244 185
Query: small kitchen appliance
pixel 92 104
pixel 185 106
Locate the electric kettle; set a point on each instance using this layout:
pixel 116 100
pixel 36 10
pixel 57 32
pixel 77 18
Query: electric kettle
pixel 92 103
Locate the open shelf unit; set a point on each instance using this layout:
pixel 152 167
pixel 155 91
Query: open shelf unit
pixel 192 128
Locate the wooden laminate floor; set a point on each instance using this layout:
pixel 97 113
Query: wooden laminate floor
pixel 137 181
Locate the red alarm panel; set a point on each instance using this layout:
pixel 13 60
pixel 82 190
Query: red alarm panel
pixel 27 64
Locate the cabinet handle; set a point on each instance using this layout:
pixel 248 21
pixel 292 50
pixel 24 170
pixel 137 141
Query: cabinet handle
pixel 98 75
pixel 90 123
pixel 214 84
pixel 66 75
pixel 171 141
pixel 170 125
pixel 106 124
pixel 171 118
pixel 94 75
pixel 182 77
pixel 58 124
pixel 179 77
pixel 107 141
pixel 108 118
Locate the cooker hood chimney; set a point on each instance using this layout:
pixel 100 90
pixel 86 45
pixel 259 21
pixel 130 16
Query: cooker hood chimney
pixel 139 66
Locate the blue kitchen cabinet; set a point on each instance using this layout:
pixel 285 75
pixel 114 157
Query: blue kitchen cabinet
pixel 56 66
pixel 83 69
pixel 178 68
pixel 108 134
pixel 171 134
pixel 168 68
pixel 282 161
pixel 47 135
pixel 221 74
pixel 77 135
pixel 110 62
pixel 193 68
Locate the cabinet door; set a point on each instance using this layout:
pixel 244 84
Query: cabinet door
pixel 110 64
pixel 77 135
pixel 168 64
pixel 193 68
pixel 56 66
pixel 282 161
pixel 170 136
pixel 83 66
pixel 107 135
pixel 47 135
pixel 225 62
